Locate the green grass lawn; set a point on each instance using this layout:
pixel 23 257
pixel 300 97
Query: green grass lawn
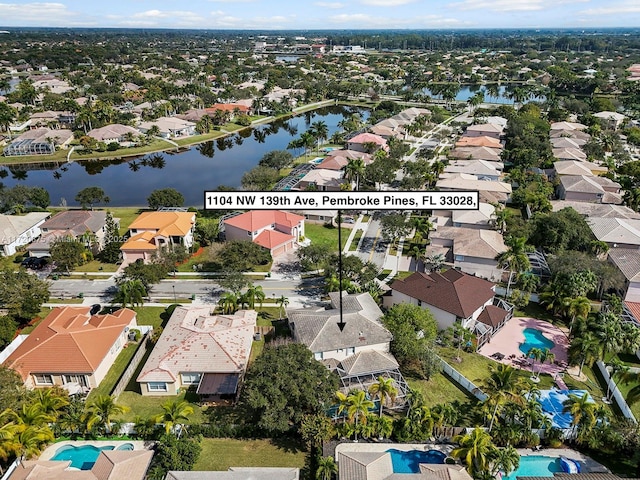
pixel 325 235
pixel 440 389
pixel 356 239
pixel 222 453
pixel 96 266
pixel 115 372
pixel 147 407
pixel 149 316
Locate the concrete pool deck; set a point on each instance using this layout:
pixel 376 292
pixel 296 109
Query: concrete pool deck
pixel 588 464
pixel 51 450
pixel 383 447
pixel 507 342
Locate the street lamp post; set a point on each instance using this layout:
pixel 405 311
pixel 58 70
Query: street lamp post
pixel 174 294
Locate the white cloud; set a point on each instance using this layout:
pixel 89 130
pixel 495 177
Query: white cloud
pixel 511 5
pixel 613 9
pixel 331 5
pixel 386 3
pixel 34 13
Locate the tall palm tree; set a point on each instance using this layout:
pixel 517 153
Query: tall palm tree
pixel 282 302
pixel 358 406
pixel 475 451
pixel 326 468
pixel 545 356
pixel 505 460
pixel 535 354
pixel 174 413
pixel 583 412
pixel 617 368
pixel 320 131
pixel 584 349
pixel 384 390
pixel 354 170
pixel 130 293
pixel 102 411
pixel 504 383
pixel 417 252
pixel 228 302
pixel 50 401
pixel 254 294
pixel 514 258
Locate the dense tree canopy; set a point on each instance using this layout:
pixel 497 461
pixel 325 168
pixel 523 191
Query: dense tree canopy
pixel 413 329
pixel 276 159
pixel 559 231
pixel 242 256
pixel 165 197
pixel 22 294
pixel 88 197
pixel 283 385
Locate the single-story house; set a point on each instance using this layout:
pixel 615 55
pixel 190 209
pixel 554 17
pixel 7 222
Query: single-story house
pixel 566 142
pixel 481 218
pixel 110 465
pixel 322 180
pixel 482 141
pixel 199 350
pixel 239 473
pixel 484 130
pixel 477 153
pixel 627 260
pixel 616 232
pixel 601 210
pixel 454 297
pixel 19 230
pixel 569 154
pixel 153 230
pixel 277 230
pixel 170 127
pixel 589 188
pixel 362 142
pixel 484 170
pixel 572 134
pixel 568 126
pixel 490 191
pixel 41 141
pixel 123 135
pixel 573 167
pixel 470 250
pixel 71 348
pixel 86 225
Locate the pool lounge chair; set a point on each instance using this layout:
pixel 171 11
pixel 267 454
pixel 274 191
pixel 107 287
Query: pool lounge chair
pixel 569 466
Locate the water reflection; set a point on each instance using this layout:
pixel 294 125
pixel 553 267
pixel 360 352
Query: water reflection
pixel 203 167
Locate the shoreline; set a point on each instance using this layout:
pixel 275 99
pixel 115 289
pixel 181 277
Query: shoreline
pixel 188 141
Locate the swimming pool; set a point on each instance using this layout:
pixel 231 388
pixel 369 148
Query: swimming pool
pixel 83 457
pixel 536 466
pixel 409 461
pixel 533 338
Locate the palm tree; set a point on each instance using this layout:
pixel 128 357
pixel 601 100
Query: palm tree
pixel 617 368
pixel 175 413
pixel 320 131
pixel 354 170
pixel 514 258
pixel 50 401
pixel 417 252
pixel 282 302
pixel 545 356
pixel 130 293
pixel 358 406
pixel 504 383
pixel 505 460
pixel 583 412
pixel 578 307
pixel 535 354
pixel 584 349
pixel 102 410
pixel 326 468
pixel 254 294
pixel 475 451
pixel 384 390
pixel 228 302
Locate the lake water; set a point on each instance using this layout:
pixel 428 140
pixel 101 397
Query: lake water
pixel 202 167
pixel 468 91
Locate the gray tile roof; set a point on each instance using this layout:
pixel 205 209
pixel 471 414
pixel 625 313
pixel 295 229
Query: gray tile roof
pixel 616 230
pixel 238 473
pixel 76 221
pixel 370 361
pixel 318 329
pixel 596 209
pixel 12 226
pixel 364 465
pixel 628 262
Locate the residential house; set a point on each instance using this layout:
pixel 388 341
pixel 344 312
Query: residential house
pixel 170 127
pixel 471 250
pixel 454 297
pixel 588 188
pixel 123 135
pixel 110 465
pixel 572 134
pixel 484 130
pixel 569 154
pixel 573 167
pixel 338 159
pixel 490 191
pixel 275 230
pixel 610 120
pixel 319 216
pixel 89 226
pixel 627 261
pixel 359 353
pixel 41 141
pixel 480 219
pixel 568 126
pixel 482 141
pixel 151 231
pixel 232 108
pixel 200 350
pixel 19 230
pixel 72 348
pixel 596 209
pixel 567 142
pixel 53 85
pixel 477 153
pixel 367 143
pixel 616 232
pixel 482 169
pixel 322 180
pixel 239 473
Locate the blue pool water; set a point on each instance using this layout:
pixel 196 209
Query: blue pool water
pixel 409 461
pixel 533 338
pixel 536 466
pixel 82 457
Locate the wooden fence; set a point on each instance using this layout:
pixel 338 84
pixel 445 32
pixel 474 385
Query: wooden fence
pixel 133 365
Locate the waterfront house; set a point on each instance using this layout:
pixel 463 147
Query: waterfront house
pixel 41 141
pixel 123 135
pixel 170 127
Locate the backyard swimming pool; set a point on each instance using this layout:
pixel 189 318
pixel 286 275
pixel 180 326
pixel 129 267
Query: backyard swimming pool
pixel 533 338
pixel 536 466
pixel 409 461
pixel 83 457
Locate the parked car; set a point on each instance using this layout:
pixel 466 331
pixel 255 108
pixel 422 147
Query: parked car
pixel 28 262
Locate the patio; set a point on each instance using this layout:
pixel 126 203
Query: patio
pixel 505 345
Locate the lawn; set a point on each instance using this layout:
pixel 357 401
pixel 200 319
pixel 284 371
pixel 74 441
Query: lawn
pixel 221 453
pixel 115 372
pixel 96 266
pixel 440 389
pixel 150 316
pixel 147 407
pixel 356 239
pixel 325 235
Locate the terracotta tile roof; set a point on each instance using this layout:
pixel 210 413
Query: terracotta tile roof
pixel 368 138
pixel 69 340
pixel 479 142
pixel 257 219
pixel 229 107
pixel 271 239
pixel 141 241
pixel 452 291
pixel 165 223
pixel 196 341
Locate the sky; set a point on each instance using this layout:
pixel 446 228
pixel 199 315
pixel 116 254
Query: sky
pixel 322 14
